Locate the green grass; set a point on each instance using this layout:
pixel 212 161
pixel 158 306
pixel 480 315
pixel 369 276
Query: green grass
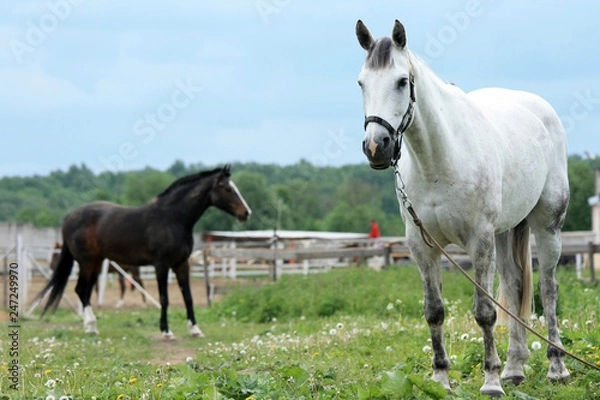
pixel 347 334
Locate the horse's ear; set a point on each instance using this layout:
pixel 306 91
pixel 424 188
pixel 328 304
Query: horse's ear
pixel 399 34
pixel 226 170
pixel 365 38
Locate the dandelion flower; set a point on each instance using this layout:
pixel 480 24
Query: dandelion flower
pixel 384 325
pixel 121 396
pixel 340 325
pixel 536 345
pixel 390 306
pixel 426 349
pixel 388 349
pixel 332 332
pixel 189 359
pixel 159 385
pixel 50 383
pixel 133 380
pixel 464 336
pixel 48 371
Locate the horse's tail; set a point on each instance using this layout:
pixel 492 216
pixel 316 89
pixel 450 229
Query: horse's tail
pixel 59 279
pixel 522 257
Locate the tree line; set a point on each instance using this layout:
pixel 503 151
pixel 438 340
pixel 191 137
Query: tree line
pixel 295 197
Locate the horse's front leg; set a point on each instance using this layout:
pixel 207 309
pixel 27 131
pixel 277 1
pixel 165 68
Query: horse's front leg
pixel 183 279
pixel 429 264
pixel 162 275
pixel 483 254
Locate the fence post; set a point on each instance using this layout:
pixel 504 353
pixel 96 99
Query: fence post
pixel 206 274
pixel 592 267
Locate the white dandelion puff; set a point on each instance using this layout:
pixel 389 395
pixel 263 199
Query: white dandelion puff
pixel 536 345
pixel 426 349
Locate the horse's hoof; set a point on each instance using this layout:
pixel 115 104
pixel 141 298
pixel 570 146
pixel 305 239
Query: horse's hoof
pixel 168 336
pixel 559 378
pixel 92 331
pixel 492 390
pixel 194 330
pixel 493 394
pixel 515 380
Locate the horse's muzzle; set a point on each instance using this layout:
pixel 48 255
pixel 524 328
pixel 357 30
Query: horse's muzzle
pixel 379 151
pixel 243 216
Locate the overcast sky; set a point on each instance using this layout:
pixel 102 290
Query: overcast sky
pixel 124 85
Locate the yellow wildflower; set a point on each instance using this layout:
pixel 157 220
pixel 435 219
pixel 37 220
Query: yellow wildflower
pixel 133 380
pixel 159 385
pixel 121 396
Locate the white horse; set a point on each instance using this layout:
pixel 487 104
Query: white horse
pixel 481 169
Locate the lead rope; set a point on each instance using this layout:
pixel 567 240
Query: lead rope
pixel 431 242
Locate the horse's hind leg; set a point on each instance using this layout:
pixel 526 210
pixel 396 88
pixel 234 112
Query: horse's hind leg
pixel 183 279
pixel 549 246
pixel 136 275
pixel 88 275
pixel 511 287
pixel 123 287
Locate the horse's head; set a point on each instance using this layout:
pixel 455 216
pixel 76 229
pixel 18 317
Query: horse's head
pixel 226 196
pixel 388 91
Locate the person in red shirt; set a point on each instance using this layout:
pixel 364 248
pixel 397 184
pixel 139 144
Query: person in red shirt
pixel 374 234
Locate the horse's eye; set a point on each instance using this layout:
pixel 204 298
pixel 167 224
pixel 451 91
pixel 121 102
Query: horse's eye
pixel 402 82
pixel 360 84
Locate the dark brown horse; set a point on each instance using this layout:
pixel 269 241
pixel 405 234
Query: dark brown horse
pixel 157 233
pixel 132 270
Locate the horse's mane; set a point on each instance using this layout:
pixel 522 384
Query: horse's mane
pixel 186 180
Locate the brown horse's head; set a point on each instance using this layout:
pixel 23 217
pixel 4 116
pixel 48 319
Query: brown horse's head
pixel 226 196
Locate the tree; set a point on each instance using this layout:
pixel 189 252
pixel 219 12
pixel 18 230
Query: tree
pixel 581 179
pixel 142 186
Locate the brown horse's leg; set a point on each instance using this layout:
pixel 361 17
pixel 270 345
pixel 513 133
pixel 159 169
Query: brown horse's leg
pixel 182 272
pixel 88 275
pixel 123 287
pixel 135 274
pixel 162 274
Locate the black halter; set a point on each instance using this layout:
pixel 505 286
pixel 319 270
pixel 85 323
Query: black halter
pixel 404 124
